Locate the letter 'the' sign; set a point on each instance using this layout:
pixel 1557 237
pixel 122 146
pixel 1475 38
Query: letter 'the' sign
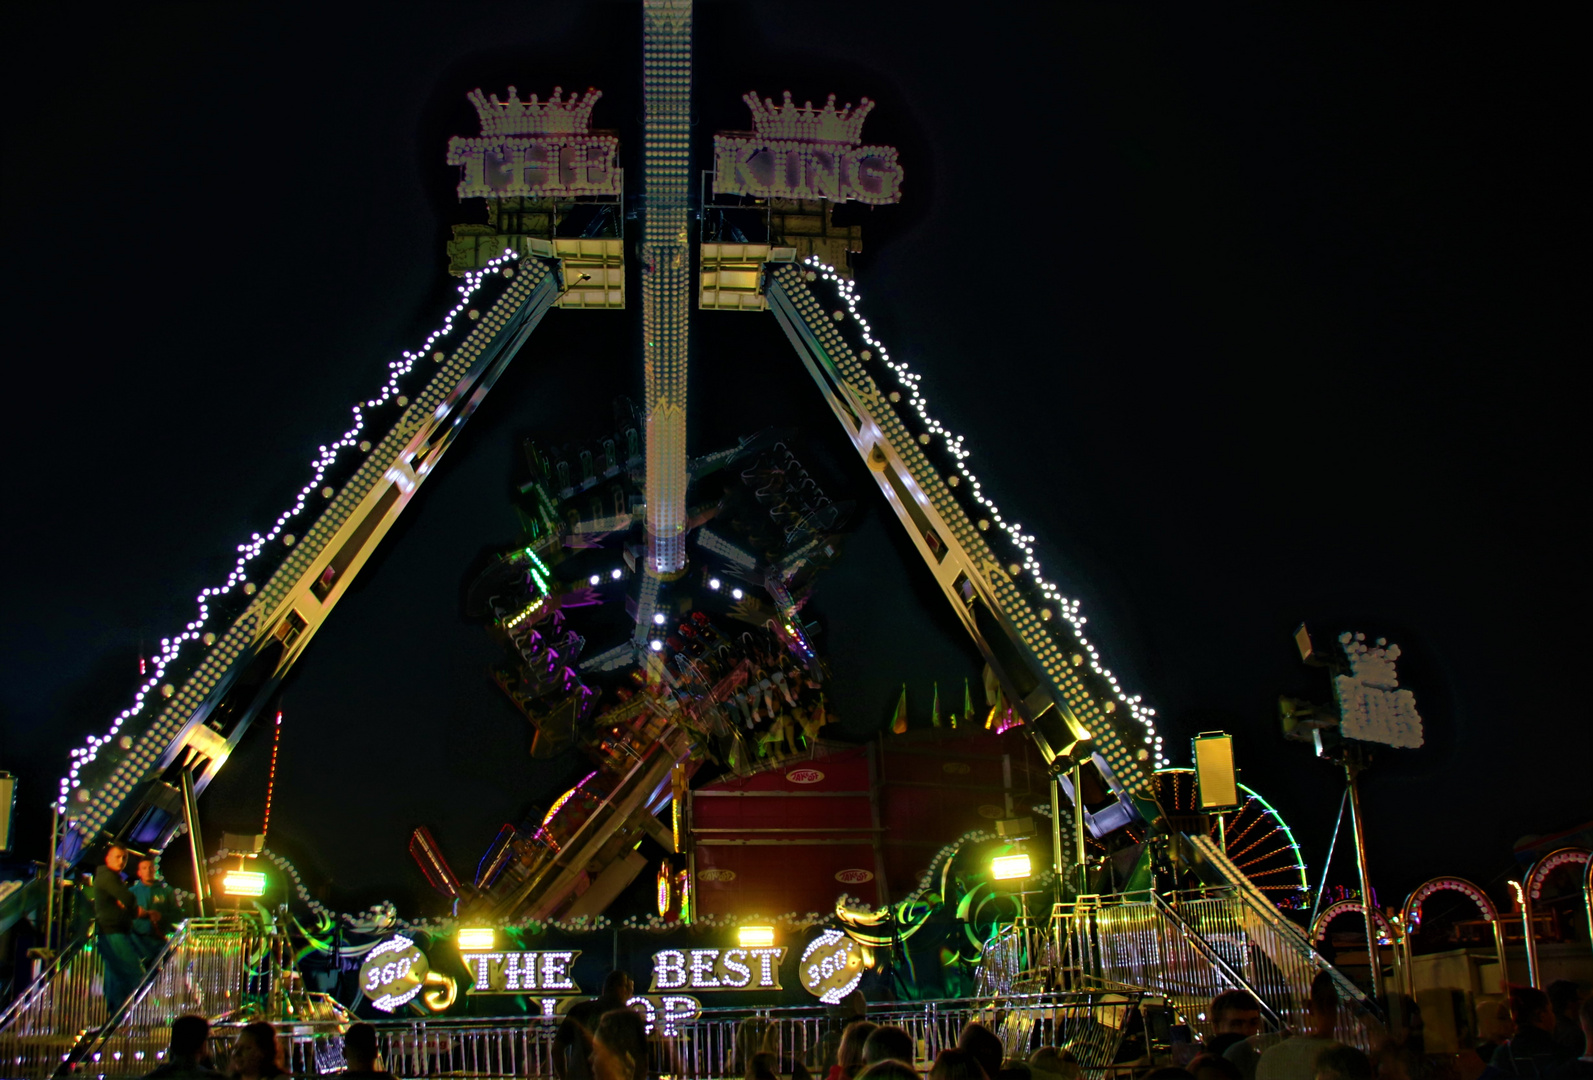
pixel 537 149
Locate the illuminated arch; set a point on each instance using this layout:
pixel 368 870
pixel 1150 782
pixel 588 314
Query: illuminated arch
pixel 1532 891
pixel 1412 916
pixel 1345 907
pixel 1533 885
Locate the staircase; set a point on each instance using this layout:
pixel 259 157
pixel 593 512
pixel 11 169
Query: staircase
pixel 1283 961
pixel 225 967
pixel 1187 947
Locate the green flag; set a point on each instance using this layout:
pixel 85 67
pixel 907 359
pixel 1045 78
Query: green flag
pixel 899 723
pixel 934 709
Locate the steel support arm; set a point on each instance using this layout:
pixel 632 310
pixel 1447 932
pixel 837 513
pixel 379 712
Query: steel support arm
pixel 132 790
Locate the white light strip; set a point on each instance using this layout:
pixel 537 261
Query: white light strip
pixel 1069 609
pixel 170 646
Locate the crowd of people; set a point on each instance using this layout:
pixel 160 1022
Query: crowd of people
pixel 1536 1035
pixel 1541 1036
pixel 255 1054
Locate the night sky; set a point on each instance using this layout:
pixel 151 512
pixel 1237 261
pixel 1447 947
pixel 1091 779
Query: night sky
pixel 1251 315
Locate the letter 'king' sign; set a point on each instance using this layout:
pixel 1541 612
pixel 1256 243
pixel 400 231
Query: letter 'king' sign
pixel 806 153
pixel 536 149
pixel 715 969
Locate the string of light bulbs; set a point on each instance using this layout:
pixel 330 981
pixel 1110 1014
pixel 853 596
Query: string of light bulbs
pixel 1069 609
pixel 250 550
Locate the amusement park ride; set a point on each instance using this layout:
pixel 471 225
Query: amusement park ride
pixel 711 703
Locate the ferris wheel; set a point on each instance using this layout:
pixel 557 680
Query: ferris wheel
pixel 1255 837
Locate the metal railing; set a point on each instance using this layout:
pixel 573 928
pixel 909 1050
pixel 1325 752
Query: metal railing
pixel 1243 912
pixel 719 1042
pixel 43 1022
pixel 214 967
pixel 1190 947
pixel 1136 941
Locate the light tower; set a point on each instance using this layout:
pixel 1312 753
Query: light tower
pixel 666 277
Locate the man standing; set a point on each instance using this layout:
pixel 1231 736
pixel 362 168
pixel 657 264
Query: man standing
pixel 1235 1016
pixel 189 1055
pixel 1532 1050
pixel 1296 1057
pixel 160 902
pixel 115 908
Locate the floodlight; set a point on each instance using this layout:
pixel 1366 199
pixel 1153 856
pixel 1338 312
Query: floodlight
pixel 243 883
pixel 1010 867
pixel 1214 771
pixel 477 939
pixel 754 936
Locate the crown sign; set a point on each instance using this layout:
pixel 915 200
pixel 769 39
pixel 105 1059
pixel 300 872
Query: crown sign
pixel 1372 707
pixel 556 116
pixel 807 124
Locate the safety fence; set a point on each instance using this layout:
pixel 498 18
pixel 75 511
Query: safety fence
pixel 719 1042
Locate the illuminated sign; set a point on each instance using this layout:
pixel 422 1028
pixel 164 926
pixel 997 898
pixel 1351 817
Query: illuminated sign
pixel 806 153
pixel 520 972
pixel 535 148
pixel 718 969
pixel 666 1012
pixel 1372 707
pixel 831 967
pixel 393 973
pixel 666 891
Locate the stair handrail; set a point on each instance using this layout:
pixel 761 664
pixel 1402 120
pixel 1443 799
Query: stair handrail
pixel 1357 1012
pixel 89 1040
pixel 40 985
pixel 1214 956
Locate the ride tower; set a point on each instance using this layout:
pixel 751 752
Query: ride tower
pixel 666 284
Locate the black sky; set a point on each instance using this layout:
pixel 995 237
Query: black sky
pixel 1252 315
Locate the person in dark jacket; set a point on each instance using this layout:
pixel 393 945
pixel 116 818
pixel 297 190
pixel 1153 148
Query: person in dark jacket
pixel 1532 1051
pixel 1564 999
pixel 361 1053
pixel 115 908
pixel 188 1058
